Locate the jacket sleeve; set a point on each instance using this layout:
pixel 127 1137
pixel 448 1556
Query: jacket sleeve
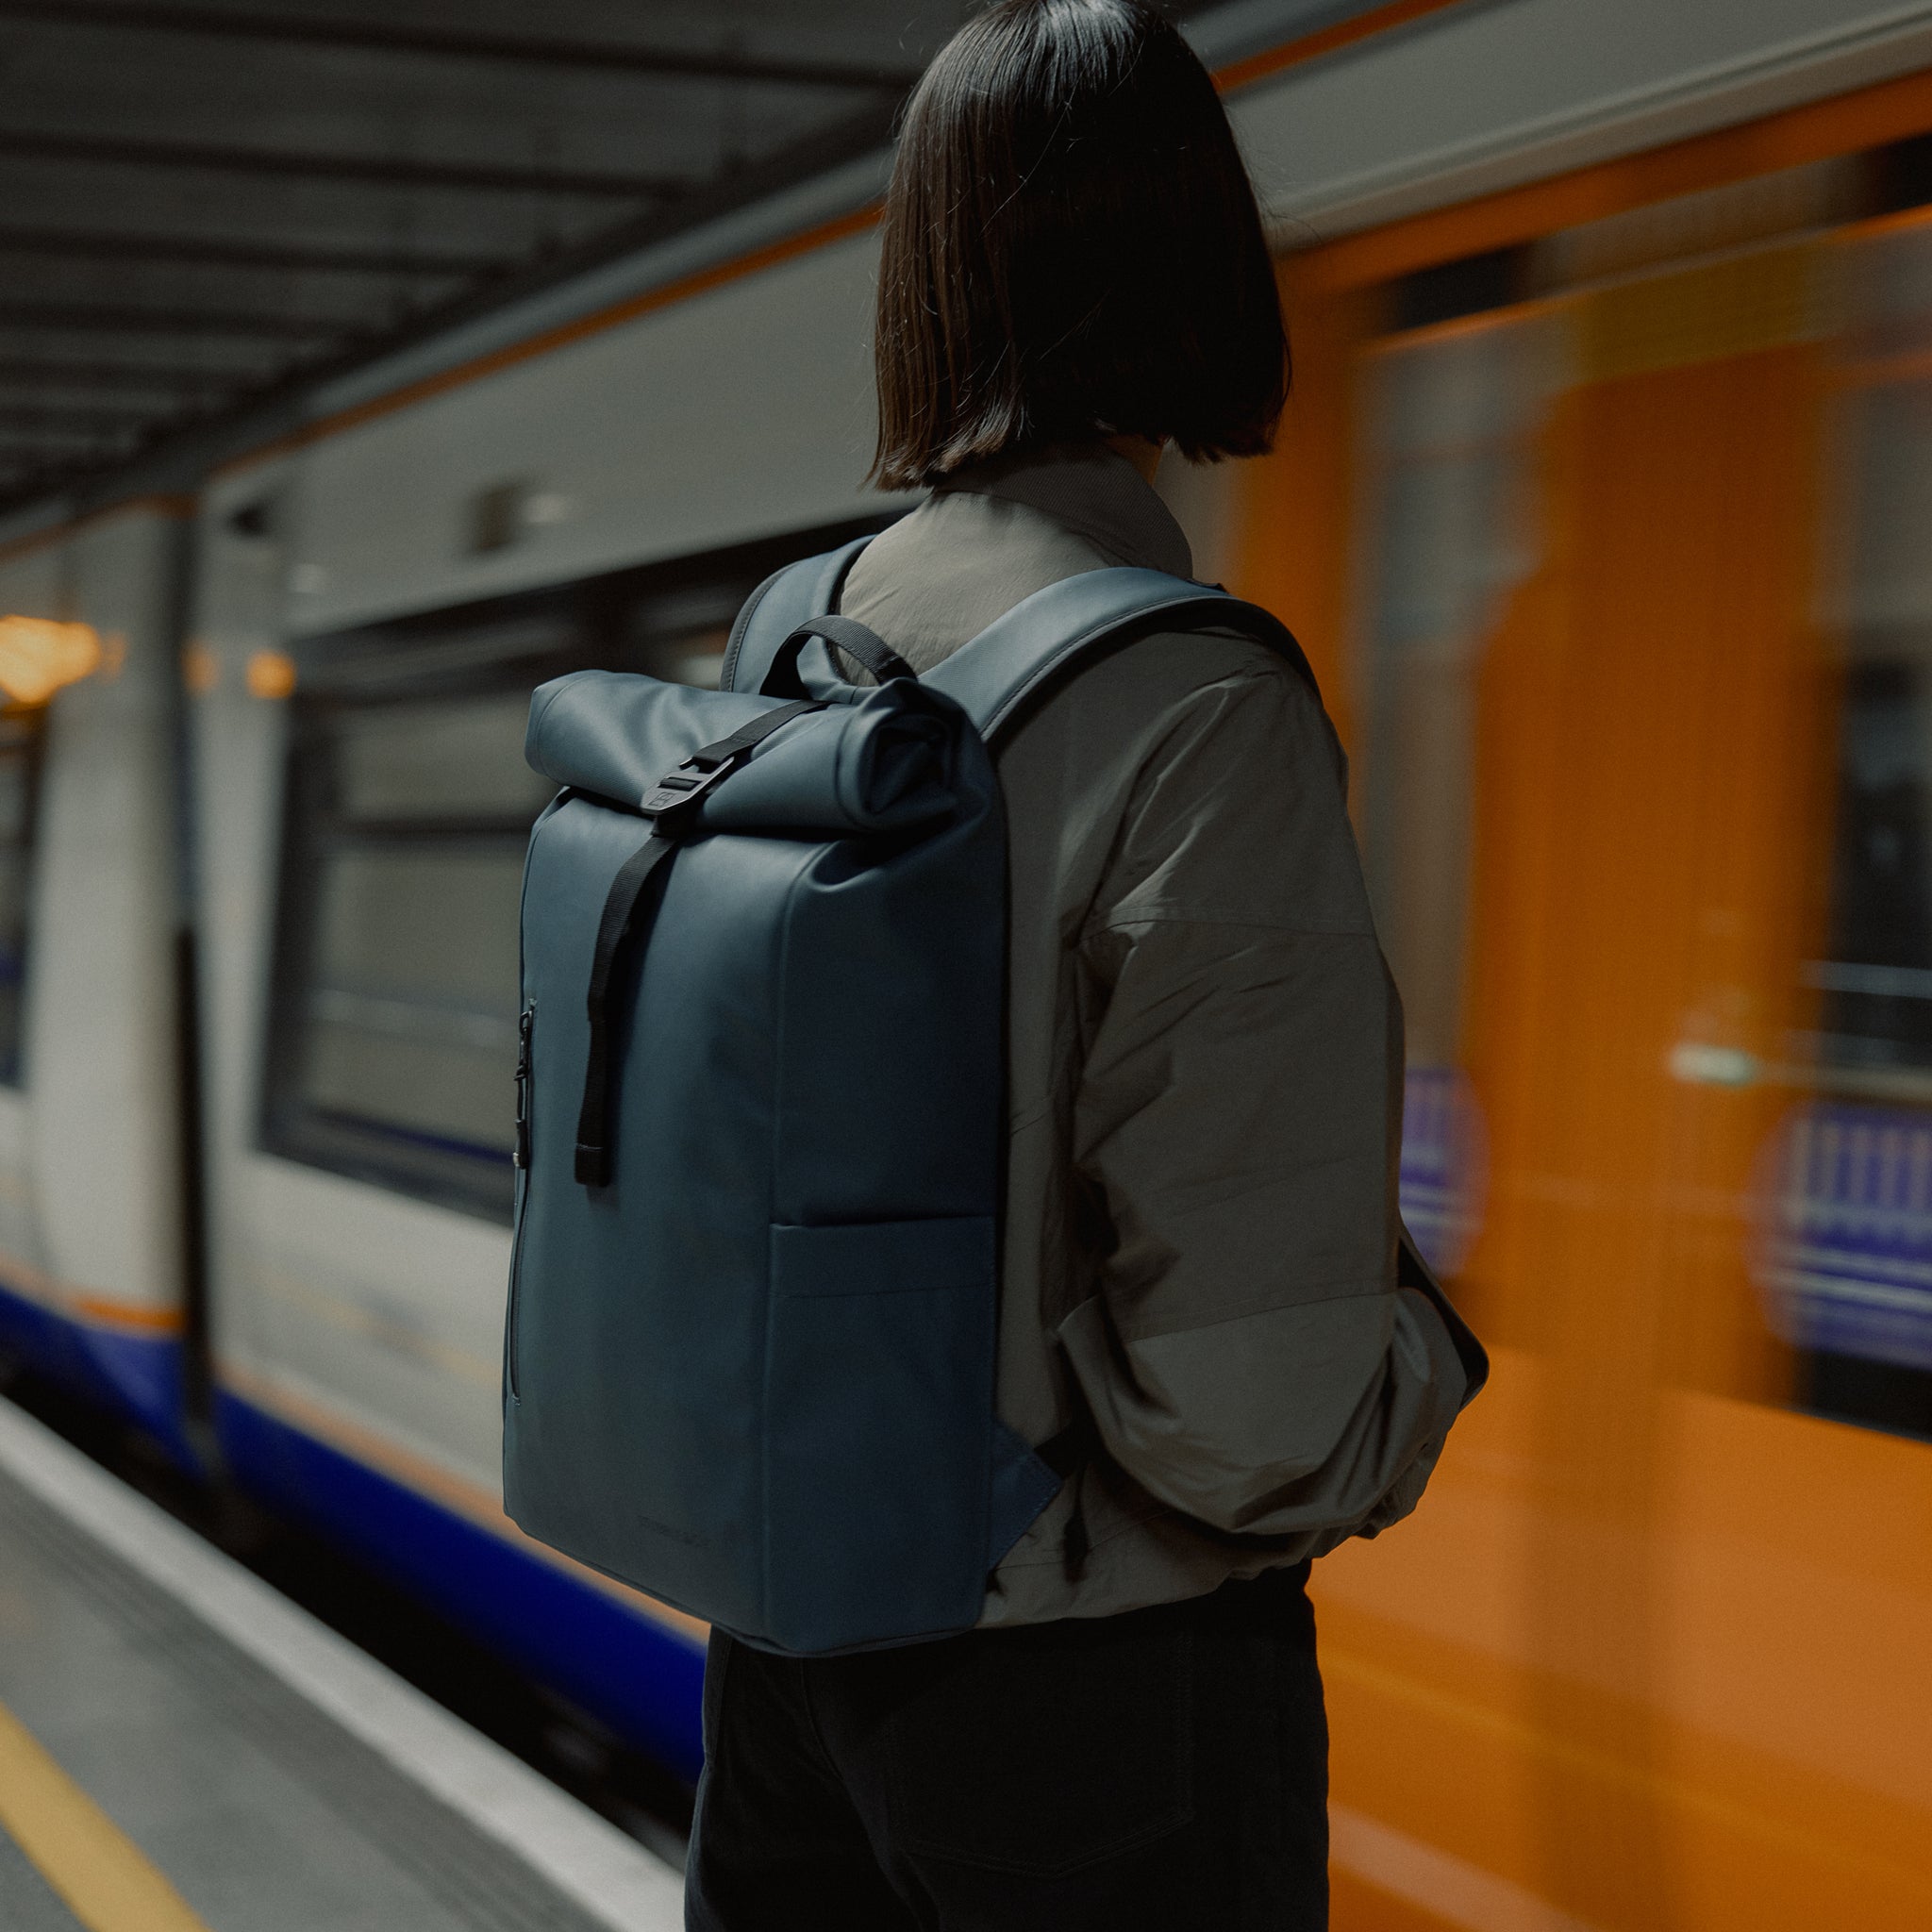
pixel 1247 1356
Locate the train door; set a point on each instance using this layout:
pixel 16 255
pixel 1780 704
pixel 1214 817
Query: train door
pixel 1590 666
pixel 1452 416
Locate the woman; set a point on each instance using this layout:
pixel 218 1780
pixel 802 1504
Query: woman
pixel 1200 1308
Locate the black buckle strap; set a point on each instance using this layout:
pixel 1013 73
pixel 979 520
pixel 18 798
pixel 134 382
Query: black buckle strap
pixel 670 805
pixel 849 636
pixel 619 913
pixel 673 802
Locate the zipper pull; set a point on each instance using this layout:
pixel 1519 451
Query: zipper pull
pixel 526 1020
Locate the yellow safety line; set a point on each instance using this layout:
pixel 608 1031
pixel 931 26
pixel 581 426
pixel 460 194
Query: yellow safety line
pixel 107 1882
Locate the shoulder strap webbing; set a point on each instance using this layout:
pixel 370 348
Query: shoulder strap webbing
pixel 1045 637
pixel 785 600
pixel 1018 657
pixel 864 646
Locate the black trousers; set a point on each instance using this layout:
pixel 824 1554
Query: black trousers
pixel 1165 1768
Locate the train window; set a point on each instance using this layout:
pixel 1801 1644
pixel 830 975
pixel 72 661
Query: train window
pixel 1453 416
pixel 1450 530
pixel 1470 285
pixel 409 818
pixel 393 1036
pixel 1856 1209
pixel 1875 985
pixel 438 763
pixel 1902 174
pixel 20 766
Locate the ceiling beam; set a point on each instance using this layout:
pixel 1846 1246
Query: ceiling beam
pixel 124 376
pixel 79 419
pixel 120 318
pixel 443 43
pixel 72 445
pixel 197 251
pixel 48 144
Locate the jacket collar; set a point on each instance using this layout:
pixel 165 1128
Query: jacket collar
pixel 1095 493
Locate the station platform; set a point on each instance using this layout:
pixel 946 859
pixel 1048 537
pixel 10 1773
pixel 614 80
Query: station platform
pixel 184 1750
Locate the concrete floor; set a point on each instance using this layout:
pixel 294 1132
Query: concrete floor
pixel 262 1814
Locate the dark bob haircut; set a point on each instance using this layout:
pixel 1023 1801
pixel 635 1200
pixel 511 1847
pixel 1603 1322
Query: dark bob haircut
pixel 1071 250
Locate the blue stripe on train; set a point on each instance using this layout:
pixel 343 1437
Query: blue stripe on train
pixel 641 1679
pixel 638 1677
pixel 134 1374
pixel 1850 1254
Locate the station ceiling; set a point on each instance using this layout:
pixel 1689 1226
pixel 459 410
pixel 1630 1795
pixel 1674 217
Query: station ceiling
pixel 201 204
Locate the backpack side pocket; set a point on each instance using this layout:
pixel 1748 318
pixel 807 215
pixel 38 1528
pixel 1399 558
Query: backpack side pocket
pixel 878 1406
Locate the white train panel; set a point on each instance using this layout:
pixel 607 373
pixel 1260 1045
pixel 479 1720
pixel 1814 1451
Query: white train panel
pixel 236 749
pixel 723 417
pixel 101 1048
pixel 379 1310
pixel 29 586
pixel 327 1293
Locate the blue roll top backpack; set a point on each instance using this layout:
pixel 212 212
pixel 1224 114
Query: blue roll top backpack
pixel 749 1360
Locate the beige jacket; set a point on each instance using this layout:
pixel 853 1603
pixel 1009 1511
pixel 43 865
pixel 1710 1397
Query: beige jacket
pixel 1205 1084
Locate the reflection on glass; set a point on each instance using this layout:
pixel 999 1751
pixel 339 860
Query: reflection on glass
pixel 392 1043
pixel 1876 977
pixel 1450 542
pixel 400 1020
pixel 457 759
pixel 412 1008
pixel 1878 983
pixel 1452 415
pixel 1849 1264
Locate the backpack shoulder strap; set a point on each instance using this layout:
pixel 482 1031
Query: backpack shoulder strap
pixel 786 599
pixel 1018 658
pixel 1049 636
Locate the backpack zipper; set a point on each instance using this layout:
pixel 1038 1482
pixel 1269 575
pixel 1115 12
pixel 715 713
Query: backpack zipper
pixel 520 1160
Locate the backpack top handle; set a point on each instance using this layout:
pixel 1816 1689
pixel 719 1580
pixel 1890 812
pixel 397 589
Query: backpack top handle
pixel 784 680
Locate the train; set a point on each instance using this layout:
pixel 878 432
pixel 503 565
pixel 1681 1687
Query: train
pixel 1602 508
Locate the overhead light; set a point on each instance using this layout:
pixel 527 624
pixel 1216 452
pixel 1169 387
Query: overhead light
pixel 269 675
pixel 38 654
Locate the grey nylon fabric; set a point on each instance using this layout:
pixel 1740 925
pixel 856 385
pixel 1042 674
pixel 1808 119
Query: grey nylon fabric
pixel 1204 1076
